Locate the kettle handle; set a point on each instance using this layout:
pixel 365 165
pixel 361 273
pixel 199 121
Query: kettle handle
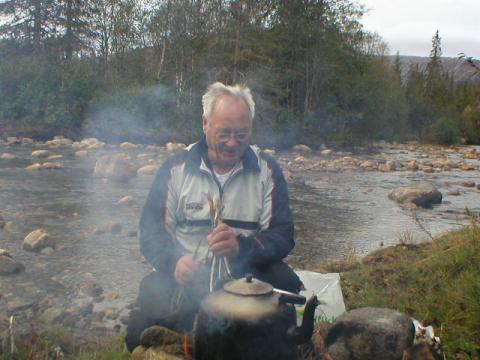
pixel 289 297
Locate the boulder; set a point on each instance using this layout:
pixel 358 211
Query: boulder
pixel 41 153
pixel 422 194
pixel 116 167
pixel 327 152
pixel 7 156
pixel 300 148
pixel 370 333
pixel 38 240
pixel 175 147
pixel 8 265
pixel 147 170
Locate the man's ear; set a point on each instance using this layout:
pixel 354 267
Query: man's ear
pixel 204 124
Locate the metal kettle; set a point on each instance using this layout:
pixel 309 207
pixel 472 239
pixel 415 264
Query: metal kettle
pixel 248 319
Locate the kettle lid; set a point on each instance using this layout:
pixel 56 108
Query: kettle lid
pixel 248 286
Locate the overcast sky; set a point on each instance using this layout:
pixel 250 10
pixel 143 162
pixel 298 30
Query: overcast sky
pixel 409 25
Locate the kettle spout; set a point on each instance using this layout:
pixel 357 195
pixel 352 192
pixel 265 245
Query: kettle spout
pixel 300 335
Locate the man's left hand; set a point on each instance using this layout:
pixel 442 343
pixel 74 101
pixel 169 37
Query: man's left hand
pixel 223 242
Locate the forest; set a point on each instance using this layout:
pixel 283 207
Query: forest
pixel 136 70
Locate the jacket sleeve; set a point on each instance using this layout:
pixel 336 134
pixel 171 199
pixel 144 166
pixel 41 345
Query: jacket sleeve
pixel 157 223
pixel 275 240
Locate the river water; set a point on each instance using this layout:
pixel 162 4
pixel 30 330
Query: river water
pixel 335 212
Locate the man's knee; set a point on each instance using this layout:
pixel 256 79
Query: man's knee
pixel 280 275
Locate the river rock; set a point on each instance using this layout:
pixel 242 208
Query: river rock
pixel 147 170
pixel 8 265
pixel 59 141
pixel 10 227
pixel 327 152
pixel 34 167
pixel 270 152
pixel 420 193
pixel 175 147
pixel 367 164
pixel 128 145
pixel 13 140
pixel 38 240
pixel 116 167
pixel 91 289
pixel 468 184
pixel 110 227
pixel 412 165
pixel 370 333
pixel 301 148
pixel 7 156
pixel 27 141
pixel 41 153
pixel 81 153
pixel 466 166
pixel 156 353
pixel 92 144
pixel 126 200
pixel 52 165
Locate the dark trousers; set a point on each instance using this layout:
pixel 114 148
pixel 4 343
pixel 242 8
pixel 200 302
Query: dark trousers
pixel 161 301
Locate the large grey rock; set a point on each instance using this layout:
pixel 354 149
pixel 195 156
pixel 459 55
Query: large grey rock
pixel 38 240
pixel 370 333
pixel 422 194
pixel 116 167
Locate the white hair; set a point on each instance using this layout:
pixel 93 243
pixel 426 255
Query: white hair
pixel 217 90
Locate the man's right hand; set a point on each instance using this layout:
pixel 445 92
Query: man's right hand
pixel 185 269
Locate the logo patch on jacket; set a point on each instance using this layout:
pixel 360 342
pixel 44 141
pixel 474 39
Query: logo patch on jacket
pixel 194 206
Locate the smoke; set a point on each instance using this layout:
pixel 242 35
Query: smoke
pixel 143 114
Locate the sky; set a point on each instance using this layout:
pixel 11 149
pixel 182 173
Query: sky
pixel 408 26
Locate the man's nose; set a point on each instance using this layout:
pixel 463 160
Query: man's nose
pixel 232 141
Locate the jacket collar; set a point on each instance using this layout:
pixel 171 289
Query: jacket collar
pixel 199 152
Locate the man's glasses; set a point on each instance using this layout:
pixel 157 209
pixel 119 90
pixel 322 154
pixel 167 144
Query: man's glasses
pixel 224 136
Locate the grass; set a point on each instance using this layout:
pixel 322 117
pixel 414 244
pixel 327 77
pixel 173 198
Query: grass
pixel 50 341
pixel 437 283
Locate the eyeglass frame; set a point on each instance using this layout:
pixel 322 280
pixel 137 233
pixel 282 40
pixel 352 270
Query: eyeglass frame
pixel 228 134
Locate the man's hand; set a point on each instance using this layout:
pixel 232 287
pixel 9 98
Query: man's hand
pixel 185 269
pixel 223 242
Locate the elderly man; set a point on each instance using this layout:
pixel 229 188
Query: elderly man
pixel 176 228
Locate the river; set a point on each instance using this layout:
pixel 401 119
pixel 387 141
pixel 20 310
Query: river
pixel 336 212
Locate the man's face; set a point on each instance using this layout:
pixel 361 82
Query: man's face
pixel 228 132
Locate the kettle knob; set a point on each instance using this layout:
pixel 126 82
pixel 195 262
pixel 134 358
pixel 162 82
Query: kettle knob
pixel 248 277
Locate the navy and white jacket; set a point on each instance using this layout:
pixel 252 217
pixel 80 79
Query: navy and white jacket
pixel 176 215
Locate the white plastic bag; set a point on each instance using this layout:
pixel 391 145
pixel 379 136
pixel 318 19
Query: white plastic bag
pixel 328 291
